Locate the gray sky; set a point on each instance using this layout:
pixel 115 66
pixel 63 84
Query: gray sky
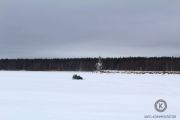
pixel 89 28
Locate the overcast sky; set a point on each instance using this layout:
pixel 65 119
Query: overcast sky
pixel 89 28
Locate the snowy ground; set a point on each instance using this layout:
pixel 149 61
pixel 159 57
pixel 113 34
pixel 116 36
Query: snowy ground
pixel 107 96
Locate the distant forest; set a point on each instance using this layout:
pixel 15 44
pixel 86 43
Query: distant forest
pixel 89 64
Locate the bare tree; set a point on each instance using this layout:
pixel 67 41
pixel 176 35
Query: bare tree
pixel 99 65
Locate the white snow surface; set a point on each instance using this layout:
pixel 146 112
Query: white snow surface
pixel 107 96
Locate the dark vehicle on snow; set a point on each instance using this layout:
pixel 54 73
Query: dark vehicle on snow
pixel 77 77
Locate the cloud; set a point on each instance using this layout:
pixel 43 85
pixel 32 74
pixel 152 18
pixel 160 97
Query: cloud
pixel 67 28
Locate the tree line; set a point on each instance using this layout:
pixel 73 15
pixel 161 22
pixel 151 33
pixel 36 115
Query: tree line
pixel 89 64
